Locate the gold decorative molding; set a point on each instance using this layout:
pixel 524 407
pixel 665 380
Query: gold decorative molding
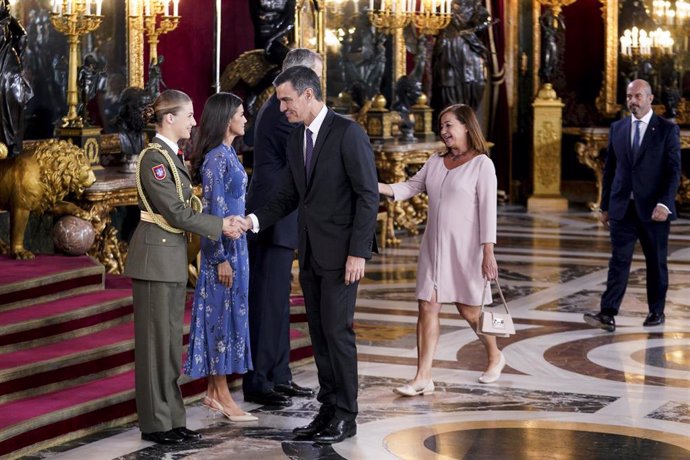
pixel 310 30
pixel 546 162
pixel 399 55
pixel 135 44
pixel 606 101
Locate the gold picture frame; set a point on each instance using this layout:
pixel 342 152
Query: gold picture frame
pixel 606 102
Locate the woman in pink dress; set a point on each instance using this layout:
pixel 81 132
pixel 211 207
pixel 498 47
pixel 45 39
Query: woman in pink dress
pixel 456 256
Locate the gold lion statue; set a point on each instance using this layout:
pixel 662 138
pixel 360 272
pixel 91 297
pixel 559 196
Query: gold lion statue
pixel 38 182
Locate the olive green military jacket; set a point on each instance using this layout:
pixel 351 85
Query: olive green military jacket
pixel 156 254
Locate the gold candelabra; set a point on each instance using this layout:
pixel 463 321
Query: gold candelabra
pixel 431 22
pixel 74 18
pixel 429 16
pixel 556 5
pixel 159 19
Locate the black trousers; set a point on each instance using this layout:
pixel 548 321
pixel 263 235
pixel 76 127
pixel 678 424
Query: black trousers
pixel 270 270
pixel 330 306
pixel 653 238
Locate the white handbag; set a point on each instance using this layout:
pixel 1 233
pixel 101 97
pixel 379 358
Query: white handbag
pixel 496 324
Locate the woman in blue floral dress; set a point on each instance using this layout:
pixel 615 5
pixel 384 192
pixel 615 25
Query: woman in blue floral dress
pixel 219 335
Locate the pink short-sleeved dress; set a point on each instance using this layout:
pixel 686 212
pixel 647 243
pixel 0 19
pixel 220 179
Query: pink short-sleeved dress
pixel 462 216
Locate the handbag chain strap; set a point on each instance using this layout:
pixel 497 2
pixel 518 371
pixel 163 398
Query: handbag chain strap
pixel 500 293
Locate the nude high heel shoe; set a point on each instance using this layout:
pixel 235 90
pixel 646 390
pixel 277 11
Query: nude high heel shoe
pixel 216 407
pixel 494 373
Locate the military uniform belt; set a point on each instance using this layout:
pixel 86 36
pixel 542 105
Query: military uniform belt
pixel 149 217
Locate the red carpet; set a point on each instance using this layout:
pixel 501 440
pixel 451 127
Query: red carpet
pixel 67 350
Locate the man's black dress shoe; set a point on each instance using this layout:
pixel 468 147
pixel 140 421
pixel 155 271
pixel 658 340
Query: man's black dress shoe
pixel 600 320
pixel 292 389
pixel 336 431
pixel 268 398
pixel 187 434
pixel 163 437
pixel 319 423
pixel 654 319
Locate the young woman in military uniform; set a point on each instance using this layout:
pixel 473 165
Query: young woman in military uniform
pixel 157 264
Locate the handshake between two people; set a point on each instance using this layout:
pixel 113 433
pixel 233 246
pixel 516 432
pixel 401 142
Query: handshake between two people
pixel 235 226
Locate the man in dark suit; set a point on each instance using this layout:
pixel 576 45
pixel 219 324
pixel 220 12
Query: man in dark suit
pixel 271 253
pixel 333 183
pixel 641 177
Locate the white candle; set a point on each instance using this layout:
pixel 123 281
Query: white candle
pixel 433 6
pixel 371 5
pixel 99 5
pixel 147 8
pixel 88 7
pixel 176 4
pixel 69 6
pixel 166 12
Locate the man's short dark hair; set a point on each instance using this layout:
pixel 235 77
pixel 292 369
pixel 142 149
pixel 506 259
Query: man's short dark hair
pixel 301 78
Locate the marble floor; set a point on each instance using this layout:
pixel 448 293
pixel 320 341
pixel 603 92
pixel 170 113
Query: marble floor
pixel 568 392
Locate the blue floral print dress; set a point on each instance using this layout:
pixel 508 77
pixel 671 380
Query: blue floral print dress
pixel 219 333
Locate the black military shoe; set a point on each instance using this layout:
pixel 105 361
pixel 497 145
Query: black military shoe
pixel 187 434
pixel 601 321
pixel 163 437
pixel 320 422
pixel 292 389
pixel 268 398
pixel 336 431
pixel 654 319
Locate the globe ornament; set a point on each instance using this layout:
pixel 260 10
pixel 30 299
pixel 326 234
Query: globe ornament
pixel 73 236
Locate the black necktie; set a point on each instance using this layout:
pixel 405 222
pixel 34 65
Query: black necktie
pixel 636 138
pixel 307 154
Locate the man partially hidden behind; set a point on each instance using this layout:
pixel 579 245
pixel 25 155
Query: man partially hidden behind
pixel 332 181
pixel 641 177
pixel 271 253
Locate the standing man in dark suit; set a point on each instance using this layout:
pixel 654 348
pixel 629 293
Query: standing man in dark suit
pixel 333 183
pixel 271 253
pixel 641 178
pixel 157 264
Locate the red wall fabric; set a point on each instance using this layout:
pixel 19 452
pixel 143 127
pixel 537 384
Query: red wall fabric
pixel 189 49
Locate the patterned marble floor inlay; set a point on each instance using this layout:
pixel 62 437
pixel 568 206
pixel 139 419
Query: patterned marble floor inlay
pixel 568 391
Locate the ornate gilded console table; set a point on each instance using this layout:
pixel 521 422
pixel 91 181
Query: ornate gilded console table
pixel 397 162
pixel 111 189
pixel 595 140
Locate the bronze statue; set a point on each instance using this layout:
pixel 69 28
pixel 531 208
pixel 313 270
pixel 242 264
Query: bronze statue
pixel 130 124
pixel 363 61
pixel 459 57
pixel 551 27
pixel 15 91
pixel 407 90
pixel 155 81
pixel 273 20
pixel 38 182
pixel 91 79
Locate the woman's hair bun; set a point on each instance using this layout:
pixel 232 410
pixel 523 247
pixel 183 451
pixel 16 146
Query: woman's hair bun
pixel 148 113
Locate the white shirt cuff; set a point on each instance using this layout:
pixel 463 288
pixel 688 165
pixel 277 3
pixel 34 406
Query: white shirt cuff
pixel 665 207
pixel 255 223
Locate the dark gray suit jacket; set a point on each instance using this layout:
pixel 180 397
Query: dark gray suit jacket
pixel 337 211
